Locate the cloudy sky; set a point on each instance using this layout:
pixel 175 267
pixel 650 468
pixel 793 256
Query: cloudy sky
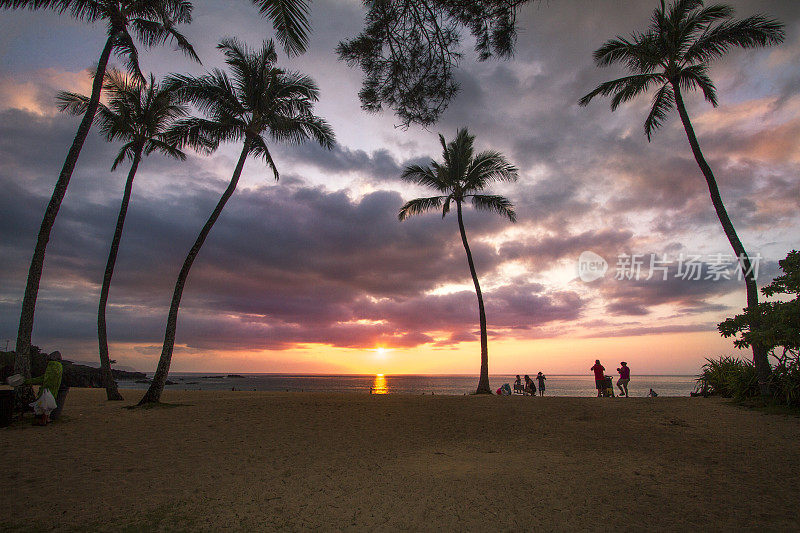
pixel 315 274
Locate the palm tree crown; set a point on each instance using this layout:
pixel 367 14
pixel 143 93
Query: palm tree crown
pixel 675 51
pixel 152 22
pixel 140 114
pixel 259 100
pixel 461 176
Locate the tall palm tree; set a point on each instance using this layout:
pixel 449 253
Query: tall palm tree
pixel 290 20
pixel 673 55
pixel 259 100
pixel 152 22
pixel 141 115
pixel 462 176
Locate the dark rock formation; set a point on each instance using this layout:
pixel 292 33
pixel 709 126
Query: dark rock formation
pixel 74 375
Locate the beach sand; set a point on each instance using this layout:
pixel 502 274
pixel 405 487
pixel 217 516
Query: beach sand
pixel 296 461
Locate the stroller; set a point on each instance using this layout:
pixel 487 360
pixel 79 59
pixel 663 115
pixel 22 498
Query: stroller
pixel 608 387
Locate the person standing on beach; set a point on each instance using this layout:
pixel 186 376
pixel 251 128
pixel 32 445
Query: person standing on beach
pixel 49 383
pixel 541 379
pixel 624 378
pixel 599 377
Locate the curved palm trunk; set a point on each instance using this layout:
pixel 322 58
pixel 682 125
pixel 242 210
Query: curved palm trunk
pixel 760 357
pixel 153 393
pixel 483 381
pixel 102 337
pixel 22 362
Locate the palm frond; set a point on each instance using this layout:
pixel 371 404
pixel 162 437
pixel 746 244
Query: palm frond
pixel 203 135
pixel 258 148
pixel 290 20
pixel 419 206
pixel 697 76
pixel 72 103
pixel 424 176
pixel 488 167
pixel 125 49
pixel 663 101
pixel 300 128
pixel 153 33
pixel 446 205
pixel 623 89
pixel 164 147
pixel 212 93
pixel 753 32
pixel 496 204
pixel 128 151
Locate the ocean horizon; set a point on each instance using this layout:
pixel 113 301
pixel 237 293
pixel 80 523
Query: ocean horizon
pixel 569 385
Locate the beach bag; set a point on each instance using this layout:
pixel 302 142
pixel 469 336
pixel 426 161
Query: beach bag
pixel 44 404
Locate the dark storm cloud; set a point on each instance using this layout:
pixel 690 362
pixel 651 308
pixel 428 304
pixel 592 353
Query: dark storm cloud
pixel 377 166
pixel 285 264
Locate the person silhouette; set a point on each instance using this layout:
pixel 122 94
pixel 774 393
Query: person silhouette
pixel 541 379
pixel 624 378
pixel 599 377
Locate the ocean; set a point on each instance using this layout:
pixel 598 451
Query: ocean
pixel 556 385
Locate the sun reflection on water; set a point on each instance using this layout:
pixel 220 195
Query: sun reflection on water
pixel 379 386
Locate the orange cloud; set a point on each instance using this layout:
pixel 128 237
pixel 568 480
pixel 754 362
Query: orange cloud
pixel 35 91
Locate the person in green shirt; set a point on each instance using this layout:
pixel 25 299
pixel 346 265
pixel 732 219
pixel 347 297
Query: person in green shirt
pixel 49 383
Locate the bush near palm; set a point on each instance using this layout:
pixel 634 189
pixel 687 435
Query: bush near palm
pixel 141 115
pixel 152 23
pixel 729 377
pixel 461 178
pixel 672 56
pixel 258 101
pixel 778 329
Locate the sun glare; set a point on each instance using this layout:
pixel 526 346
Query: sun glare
pixel 379 385
pixel 381 352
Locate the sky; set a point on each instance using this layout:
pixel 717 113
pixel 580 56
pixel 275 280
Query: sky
pixel 315 274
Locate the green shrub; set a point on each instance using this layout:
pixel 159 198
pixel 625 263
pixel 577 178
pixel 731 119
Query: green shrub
pixel 731 377
pixel 785 382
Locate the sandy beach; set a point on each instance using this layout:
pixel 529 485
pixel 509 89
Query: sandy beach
pixel 296 461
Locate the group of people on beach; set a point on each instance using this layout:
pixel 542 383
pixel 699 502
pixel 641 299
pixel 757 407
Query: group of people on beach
pixel 530 385
pixel 600 378
pixel 601 382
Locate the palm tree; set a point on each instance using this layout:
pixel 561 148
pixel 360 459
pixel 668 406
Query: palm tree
pixel 463 176
pixel 259 100
pixel 290 20
pixel 141 114
pixel 673 55
pixel 152 22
